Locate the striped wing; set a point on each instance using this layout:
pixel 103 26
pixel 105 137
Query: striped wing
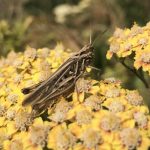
pixel 40 90
pixel 51 98
pixel 62 82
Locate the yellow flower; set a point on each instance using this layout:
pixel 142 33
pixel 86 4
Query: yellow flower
pixel 14 144
pixel 97 115
pixel 2 121
pixel 60 138
pixel 134 42
pixel 94 102
pixel 83 117
pixel 91 138
pixel 36 136
pixel 11 128
pixel 115 104
pixel 3 136
pixel 30 53
pixel 141 119
pixel 134 98
pixel 142 59
pixel 110 122
pixel 76 129
pixel 61 111
pixel 22 119
pixel 114 48
pixel 130 137
pixel 43 53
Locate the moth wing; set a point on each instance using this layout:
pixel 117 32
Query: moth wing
pixel 46 86
pixel 64 89
pixel 29 89
pixel 51 99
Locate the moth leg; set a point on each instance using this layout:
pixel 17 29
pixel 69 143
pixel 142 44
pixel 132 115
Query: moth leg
pixel 77 90
pixel 82 68
pixel 77 67
pixel 83 65
pixel 95 68
pixel 76 70
pixel 96 72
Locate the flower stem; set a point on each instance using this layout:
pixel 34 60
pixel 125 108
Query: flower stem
pixel 140 76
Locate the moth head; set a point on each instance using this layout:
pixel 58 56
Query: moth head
pixel 87 49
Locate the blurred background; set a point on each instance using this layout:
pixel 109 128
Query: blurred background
pixel 43 23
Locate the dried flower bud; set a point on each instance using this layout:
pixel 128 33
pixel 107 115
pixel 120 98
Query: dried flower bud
pixel 110 122
pixel 38 135
pixel 112 92
pixel 16 145
pixel 114 48
pixel 83 85
pixel 83 117
pixel 116 106
pixel 94 102
pixel 22 120
pixel 141 119
pixel 65 140
pixel 130 138
pixel 134 98
pixel 2 110
pixel 91 138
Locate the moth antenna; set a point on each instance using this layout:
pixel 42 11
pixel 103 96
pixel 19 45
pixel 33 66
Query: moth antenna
pixel 91 25
pixel 100 35
pixel 90 35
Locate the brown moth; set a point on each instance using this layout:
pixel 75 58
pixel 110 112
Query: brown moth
pixel 60 83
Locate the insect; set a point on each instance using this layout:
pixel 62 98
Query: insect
pixel 60 83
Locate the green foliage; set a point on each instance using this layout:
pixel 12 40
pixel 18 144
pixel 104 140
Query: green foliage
pixel 38 7
pixel 135 10
pixel 12 36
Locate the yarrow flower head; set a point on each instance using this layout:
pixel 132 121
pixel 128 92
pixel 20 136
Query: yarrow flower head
pixel 94 102
pixel 116 106
pixel 141 119
pixel 142 59
pixel 2 110
pixel 22 120
pixel 38 135
pixel 134 42
pixel 64 140
pixel 60 112
pixel 131 138
pixel 83 117
pixel 91 138
pixel 134 98
pixel 97 115
pixel 110 122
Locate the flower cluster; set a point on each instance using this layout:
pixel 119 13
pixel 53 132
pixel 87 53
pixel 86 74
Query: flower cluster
pixel 133 43
pixel 98 114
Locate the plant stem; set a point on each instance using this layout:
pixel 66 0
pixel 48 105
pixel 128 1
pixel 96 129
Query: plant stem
pixel 141 77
